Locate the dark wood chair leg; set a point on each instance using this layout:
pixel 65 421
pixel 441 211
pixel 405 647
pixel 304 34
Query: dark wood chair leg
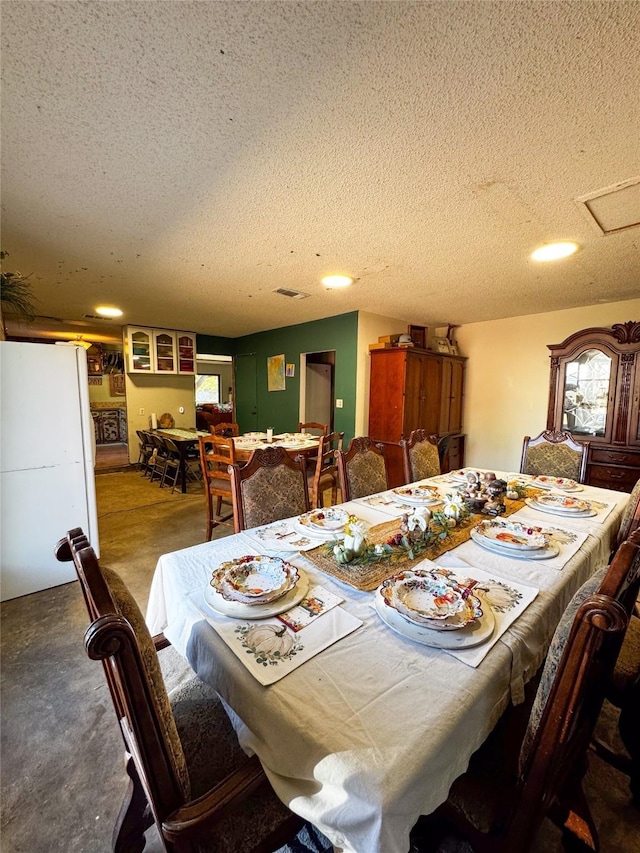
pixel 630 735
pixel 134 817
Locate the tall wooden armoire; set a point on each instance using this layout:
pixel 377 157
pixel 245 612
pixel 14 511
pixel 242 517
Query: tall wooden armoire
pixel 416 389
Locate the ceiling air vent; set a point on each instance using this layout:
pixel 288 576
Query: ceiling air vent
pixel 96 317
pixel 292 294
pixel 614 208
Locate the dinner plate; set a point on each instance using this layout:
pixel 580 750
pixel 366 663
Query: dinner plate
pixel 254 579
pixel 459 476
pixel 556 510
pixel 253 435
pixel 418 495
pixel 432 599
pixel 473 634
pixel 561 483
pixel 326 521
pixel 237 610
pixel 510 535
pixel 542 554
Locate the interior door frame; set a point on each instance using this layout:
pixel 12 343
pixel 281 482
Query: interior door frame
pixel 303 384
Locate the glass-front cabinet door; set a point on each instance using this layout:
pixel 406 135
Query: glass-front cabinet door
pixel 139 351
pixel 186 353
pixel 164 344
pixel 586 393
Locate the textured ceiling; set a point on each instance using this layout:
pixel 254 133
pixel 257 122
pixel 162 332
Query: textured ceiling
pixel 183 159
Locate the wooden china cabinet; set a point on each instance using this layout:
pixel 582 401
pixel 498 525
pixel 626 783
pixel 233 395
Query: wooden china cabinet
pixel 411 389
pixel 594 394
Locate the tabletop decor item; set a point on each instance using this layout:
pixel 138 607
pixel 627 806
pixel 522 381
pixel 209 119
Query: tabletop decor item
pixel 483 493
pixel 254 579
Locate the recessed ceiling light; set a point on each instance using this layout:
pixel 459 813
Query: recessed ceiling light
pixel 554 251
pixel 106 311
pixel 332 281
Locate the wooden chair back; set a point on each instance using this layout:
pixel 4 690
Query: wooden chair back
pixel 118 636
pixel 270 487
pixel 325 473
pixel 499 808
pixel 362 469
pixel 631 516
pixel 217 454
pixel 420 456
pixel 555 454
pixel 226 430
pixel 572 689
pixel 313 428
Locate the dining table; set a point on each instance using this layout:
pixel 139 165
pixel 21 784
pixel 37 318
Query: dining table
pixel 362 724
pixel 185 440
pixel 295 444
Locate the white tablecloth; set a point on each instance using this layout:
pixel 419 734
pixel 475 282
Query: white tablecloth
pixel 371 732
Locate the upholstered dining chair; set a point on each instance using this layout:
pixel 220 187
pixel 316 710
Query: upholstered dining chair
pixel 362 469
pixel 313 428
pixel 324 474
pixel 226 430
pixel 499 803
pixel 216 455
pixel 187 771
pixel 271 486
pixel 420 456
pixel 555 454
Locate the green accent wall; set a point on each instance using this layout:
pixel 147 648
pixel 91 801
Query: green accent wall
pixel 280 409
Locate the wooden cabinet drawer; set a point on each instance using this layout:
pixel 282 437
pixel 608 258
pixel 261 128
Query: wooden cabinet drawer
pixel 614 457
pixel 610 477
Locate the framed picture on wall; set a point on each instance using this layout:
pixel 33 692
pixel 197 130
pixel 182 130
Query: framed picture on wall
pixel 418 336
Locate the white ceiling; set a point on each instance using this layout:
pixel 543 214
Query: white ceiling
pixel 183 159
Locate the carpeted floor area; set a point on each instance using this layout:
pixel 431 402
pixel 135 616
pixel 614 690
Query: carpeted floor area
pixel 62 771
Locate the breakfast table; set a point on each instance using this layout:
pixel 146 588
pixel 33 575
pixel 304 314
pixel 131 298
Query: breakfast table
pixel 185 440
pixel 360 723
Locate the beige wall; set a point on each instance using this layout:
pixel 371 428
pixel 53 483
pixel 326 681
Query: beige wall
pixel 507 377
pixel 158 394
pixel 370 328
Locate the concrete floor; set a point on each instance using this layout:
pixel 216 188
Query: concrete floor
pixel 62 773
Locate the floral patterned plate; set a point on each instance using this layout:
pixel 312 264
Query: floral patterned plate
pixel 254 579
pixel 543 554
pixel 329 520
pixel 561 483
pixel 510 535
pixel 473 634
pixel 561 505
pixel 431 599
pixel 239 610
pixel 421 495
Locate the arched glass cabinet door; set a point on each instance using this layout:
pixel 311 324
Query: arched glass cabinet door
pixel 586 393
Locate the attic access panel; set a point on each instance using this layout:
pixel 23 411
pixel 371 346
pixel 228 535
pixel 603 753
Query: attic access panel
pixel 614 208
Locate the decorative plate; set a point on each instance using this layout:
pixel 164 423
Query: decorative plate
pixel 254 435
pixel 489 545
pixel 238 610
pixel 431 599
pixel 556 483
pixel 254 579
pixel 564 503
pixel 420 495
pixel 473 634
pixel 328 521
pixel 459 476
pixel 586 511
pixel 511 535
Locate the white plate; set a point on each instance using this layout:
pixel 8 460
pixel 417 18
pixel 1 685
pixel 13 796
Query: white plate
pixel 474 634
pixel 564 503
pixel 560 483
pixel 542 554
pixel 257 611
pixel 324 522
pixel 417 495
pixel 511 535
pixel 431 600
pixel 555 511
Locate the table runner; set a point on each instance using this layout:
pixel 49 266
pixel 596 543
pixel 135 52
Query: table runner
pixel 368 577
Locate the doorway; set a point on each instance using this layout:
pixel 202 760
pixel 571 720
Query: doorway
pixel 317 387
pixel 246 392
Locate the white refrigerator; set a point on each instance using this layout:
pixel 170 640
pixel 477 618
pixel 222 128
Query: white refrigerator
pixel 47 452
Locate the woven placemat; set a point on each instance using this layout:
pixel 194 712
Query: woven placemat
pixel 369 577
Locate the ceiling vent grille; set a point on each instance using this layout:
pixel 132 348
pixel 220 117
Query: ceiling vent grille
pixel 96 317
pixel 292 294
